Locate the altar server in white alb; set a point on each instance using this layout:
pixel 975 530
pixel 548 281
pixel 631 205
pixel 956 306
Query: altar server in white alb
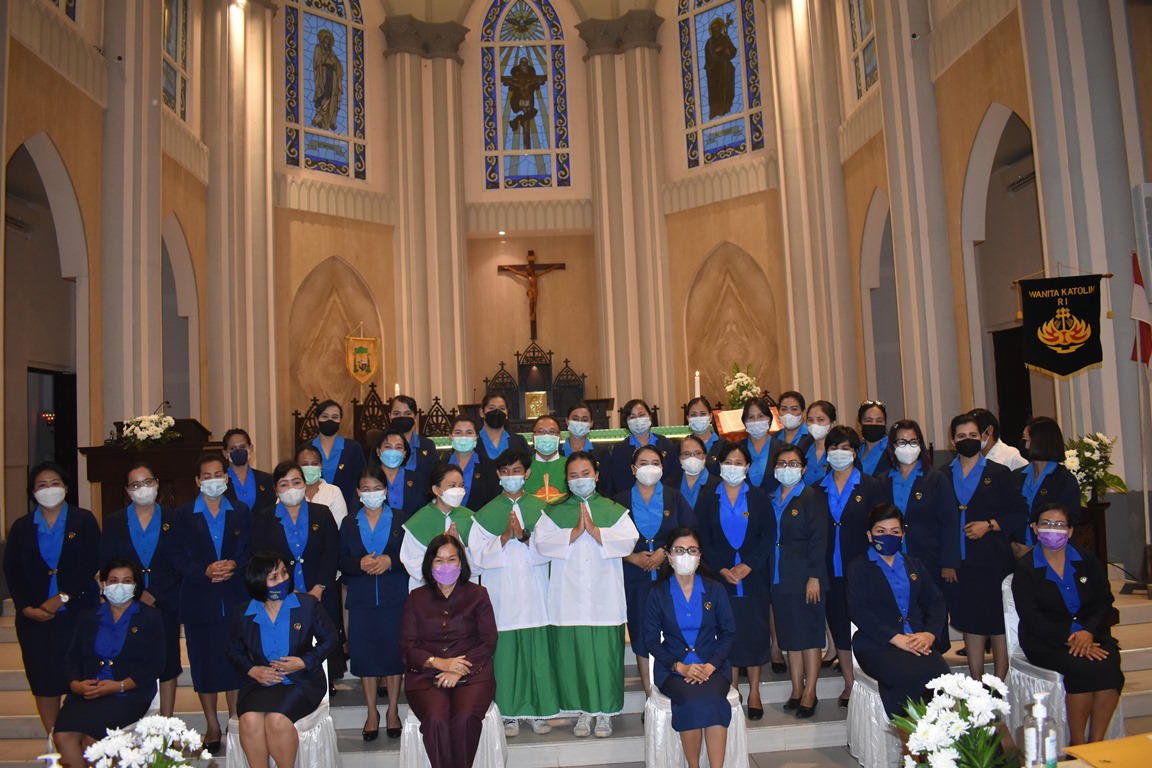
pixel 516 576
pixel 587 537
pixel 444 514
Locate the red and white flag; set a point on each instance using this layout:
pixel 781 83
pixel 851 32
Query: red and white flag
pixel 1142 344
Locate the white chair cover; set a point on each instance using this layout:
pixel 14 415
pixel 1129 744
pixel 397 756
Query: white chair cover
pixel 662 747
pixel 872 738
pixel 492 752
pixel 317 739
pixel 1025 679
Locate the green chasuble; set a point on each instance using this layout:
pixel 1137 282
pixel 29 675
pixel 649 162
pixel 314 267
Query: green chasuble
pixel 428 523
pixel 546 480
pixel 494 516
pixel 605 512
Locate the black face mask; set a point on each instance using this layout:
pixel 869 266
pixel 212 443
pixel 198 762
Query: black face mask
pixel 1025 453
pixel 873 433
pixel 238 457
pixel 968 448
pixel 495 419
pixel 402 423
pixel 329 428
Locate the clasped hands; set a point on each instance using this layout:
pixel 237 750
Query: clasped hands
pixel 94 689
pixel 1081 643
pixel 276 670
pixel 694 674
pixel 221 570
pixel 918 643
pixel 513 530
pixel 451 670
pixel 375 565
pixel 585 524
pixel 736 573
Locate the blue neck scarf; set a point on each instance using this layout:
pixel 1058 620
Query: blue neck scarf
pixel 1067 584
pixel 466 471
pixel 1031 487
pixel 870 454
pixel 297 536
pixel 734 522
pixel 965 487
pixel 332 460
pixel 144 541
pixel 245 491
pixel 897 578
pixel 815 469
pixel 800 432
pixel 689 615
pixel 779 502
pixel 110 637
pixel 759 462
pixel 396 490
pixel 648 515
pixel 837 500
pixel 495 449
pixel 568 450
pixel 215 524
pixel 274 635
pixel 691 494
pixel 901 491
pixel 51 541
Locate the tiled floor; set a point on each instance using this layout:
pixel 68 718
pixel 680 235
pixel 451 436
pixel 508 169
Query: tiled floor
pixel 827 757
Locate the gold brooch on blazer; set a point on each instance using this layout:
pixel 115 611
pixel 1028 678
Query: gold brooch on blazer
pixel 795 512
pixel 424 452
pixel 987 481
pixel 859 498
pixel 1083 579
pixel 409 483
pixel 134 630
pixel 315 526
pixel 913 576
pixel 667 513
pixel 236 532
pixel 165 527
pixel 339 466
pixel 1043 491
pixel 707 605
pixel 71 534
pixel 919 495
pixel 745 514
pixel 297 626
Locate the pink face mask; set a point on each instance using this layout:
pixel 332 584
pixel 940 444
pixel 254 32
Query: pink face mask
pixel 446 574
pixel 1052 539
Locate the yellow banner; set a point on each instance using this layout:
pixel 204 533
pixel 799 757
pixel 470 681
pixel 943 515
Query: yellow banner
pixel 361 357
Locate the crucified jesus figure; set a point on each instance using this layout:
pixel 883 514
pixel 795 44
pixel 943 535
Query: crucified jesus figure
pixel 532 273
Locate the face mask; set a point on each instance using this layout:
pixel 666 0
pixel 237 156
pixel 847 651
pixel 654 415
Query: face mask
pixel 278 592
pixel 453 497
pixel 373 499
pixel 840 459
pixel 873 433
pixel 291 497
pixel 790 421
pixel 579 428
pixel 757 429
pixel 818 431
pixel 983 443
pixel 512 483
pixel 907 454
pixel 699 424
pixel 145 496
pixel 640 425
pixel 446 574
pixel 732 474
pixel 392 458
pixel 1052 539
pixel 968 448
pixel 546 445
pixel 402 423
pixel 213 488
pixel 312 475
pixel 50 497
pixel 329 428
pixel 788 476
pixel 238 457
pixel 685 565
pixel 649 475
pixel 887 544
pixel 583 487
pixel 495 419
pixel 119 594
pixel 463 444
pixel 692 466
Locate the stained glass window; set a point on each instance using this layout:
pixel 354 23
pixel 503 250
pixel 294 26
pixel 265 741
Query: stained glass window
pixel 324 87
pixel 174 63
pixel 720 75
pixel 862 45
pixel 525 92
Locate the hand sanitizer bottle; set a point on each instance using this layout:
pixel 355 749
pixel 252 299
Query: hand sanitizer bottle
pixel 1036 729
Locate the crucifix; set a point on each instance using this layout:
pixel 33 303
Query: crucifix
pixel 531 272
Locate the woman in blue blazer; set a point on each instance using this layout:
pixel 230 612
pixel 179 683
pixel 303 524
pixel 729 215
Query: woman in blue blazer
pixel 50 563
pixel 112 664
pixel 343 460
pixel 896 609
pixel 278 642
pixel 407 489
pixel 638 420
pixel 1045 480
pixel 689 628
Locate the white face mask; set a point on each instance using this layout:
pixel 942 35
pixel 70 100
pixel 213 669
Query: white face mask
pixel 213 488
pixel 788 476
pixel 119 594
pixel 692 466
pixel 50 497
pixel 840 459
pixel 699 424
pixel 907 454
pixel 757 429
pixel 790 421
pixel 582 487
pixel 373 499
pixel 579 428
pixel 983 443
pixel 732 474
pixel 640 425
pixel 685 565
pixel 649 475
pixel 818 431
pixel 291 497
pixel 453 497
pixel 145 495
pixel 512 483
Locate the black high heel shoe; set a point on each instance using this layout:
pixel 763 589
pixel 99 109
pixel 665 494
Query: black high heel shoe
pixel 779 667
pixel 394 733
pixel 755 713
pixel 213 747
pixel 375 733
pixel 791 705
pixel 803 712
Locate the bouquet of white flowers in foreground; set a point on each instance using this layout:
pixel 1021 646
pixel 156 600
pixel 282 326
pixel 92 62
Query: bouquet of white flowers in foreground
pixel 1089 458
pixel 740 387
pixel 957 729
pixel 143 431
pixel 154 742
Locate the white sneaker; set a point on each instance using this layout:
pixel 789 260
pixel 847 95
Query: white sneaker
pixel 603 726
pixel 583 726
pixel 511 727
pixel 540 727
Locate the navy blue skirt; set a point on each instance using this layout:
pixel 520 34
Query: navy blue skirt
pixel 799 625
pixel 172 666
pixel 212 672
pixel 95 716
pixel 636 601
pixel 753 644
pixel 43 647
pixel 975 602
pixel 836 610
pixel 289 700
pixel 698 705
pixel 374 640
pixel 901 675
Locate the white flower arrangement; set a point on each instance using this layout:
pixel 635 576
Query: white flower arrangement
pixel 154 742
pixel 1089 458
pixel 740 386
pixel 143 431
pixel 957 729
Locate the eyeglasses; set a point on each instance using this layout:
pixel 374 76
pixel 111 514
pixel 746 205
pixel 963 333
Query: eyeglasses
pixel 694 551
pixel 691 454
pixel 788 464
pixel 553 432
pixel 1053 525
pixel 148 483
pixel 914 443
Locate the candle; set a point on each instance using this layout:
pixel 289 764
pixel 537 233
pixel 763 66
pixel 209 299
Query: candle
pixel 397 389
pixel 697 384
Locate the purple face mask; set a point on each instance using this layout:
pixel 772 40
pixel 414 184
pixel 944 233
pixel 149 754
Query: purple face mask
pixel 1052 539
pixel 446 574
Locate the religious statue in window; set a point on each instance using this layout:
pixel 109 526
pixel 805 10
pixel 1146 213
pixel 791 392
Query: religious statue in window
pixel 522 82
pixel 328 76
pixel 718 54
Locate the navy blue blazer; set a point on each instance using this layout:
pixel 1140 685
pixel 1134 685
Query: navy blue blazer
pixel 853 526
pixel 1045 622
pixel 309 620
pixel 163 578
pixel 1060 487
pixel 200 599
pixel 487 486
pixel 620 477
pixel 321 551
pixel 423 456
pixel 27 573
pixel 363 588
pixel 712 460
pixel 713 642
pixel 677 512
pixel 265 489
pixel 872 606
pixel 768 484
pixel 803 541
pixel 710 482
pixel 925 518
pixel 996 498
pixel 756 552
pixel 141 658
pixel 348 471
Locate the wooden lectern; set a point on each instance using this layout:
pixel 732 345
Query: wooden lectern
pixel 174 464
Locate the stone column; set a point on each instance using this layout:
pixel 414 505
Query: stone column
pixel 422 64
pixel 628 206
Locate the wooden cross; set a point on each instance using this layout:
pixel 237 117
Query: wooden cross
pixel 532 273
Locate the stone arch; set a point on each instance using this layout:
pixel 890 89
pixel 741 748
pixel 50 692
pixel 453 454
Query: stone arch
pixel 187 298
pixel 879 303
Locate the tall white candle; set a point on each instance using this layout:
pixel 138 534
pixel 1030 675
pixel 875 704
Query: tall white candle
pixel 697 384
pixel 397 389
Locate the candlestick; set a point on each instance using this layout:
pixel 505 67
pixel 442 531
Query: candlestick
pixel 697 384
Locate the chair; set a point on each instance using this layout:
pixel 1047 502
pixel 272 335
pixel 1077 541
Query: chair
pixel 872 738
pixel 492 752
pixel 317 739
pixel 1025 679
pixel 662 747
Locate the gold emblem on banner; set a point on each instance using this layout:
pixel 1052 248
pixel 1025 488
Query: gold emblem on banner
pixel 1064 333
pixel 362 357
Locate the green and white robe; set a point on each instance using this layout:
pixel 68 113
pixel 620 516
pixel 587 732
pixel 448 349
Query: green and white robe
pixel 427 523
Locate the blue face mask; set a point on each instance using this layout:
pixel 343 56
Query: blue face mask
pixel 280 591
pixel 546 445
pixel 392 458
pixel 887 544
pixel 582 487
pixel 463 444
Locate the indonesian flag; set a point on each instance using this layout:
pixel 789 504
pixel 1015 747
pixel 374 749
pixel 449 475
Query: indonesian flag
pixel 1142 344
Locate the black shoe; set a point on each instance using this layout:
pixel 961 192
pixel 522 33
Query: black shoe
pixel 371 735
pixel 827 663
pixel 836 664
pixel 755 713
pixel 803 713
pixel 843 701
pixel 213 747
pixel 394 733
pixel 791 704
pixel 779 667
pixel 962 652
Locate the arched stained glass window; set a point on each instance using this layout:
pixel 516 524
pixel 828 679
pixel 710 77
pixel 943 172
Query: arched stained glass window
pixel 525 96
pixel 174 63
pixel 324 86
pixel 720 73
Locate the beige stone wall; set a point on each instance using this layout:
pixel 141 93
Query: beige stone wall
pixel 1140 22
